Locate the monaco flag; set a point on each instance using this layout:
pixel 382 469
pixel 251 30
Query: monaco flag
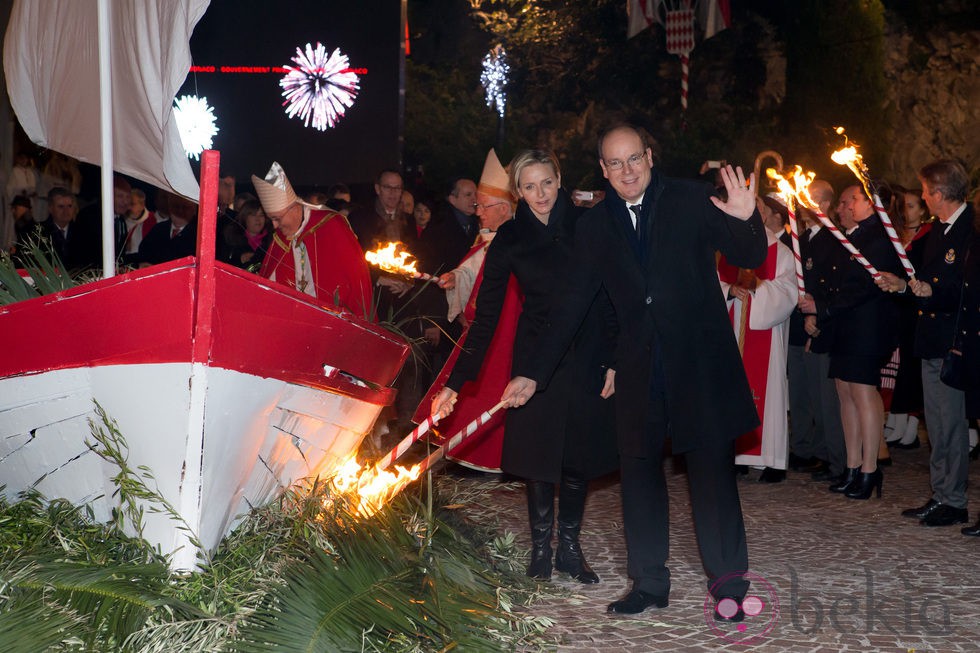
pixel 712 15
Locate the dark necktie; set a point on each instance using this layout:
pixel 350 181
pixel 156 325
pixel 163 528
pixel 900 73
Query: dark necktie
pixel 636 209
pixel 174 232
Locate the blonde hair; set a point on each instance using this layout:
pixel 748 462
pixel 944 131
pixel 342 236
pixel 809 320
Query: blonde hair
pixel 530 157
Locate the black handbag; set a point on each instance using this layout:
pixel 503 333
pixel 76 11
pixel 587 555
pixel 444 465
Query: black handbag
pixel 953 372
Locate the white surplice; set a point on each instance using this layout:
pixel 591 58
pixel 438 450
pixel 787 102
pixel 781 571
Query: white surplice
pixel 773 301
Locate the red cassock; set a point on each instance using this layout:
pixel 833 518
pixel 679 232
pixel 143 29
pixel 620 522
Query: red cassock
pixel 482 450
pixel 340 273
pixel 755 346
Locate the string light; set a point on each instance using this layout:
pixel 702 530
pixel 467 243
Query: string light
pixel 196 124
pixel 320 87
pixel 495 77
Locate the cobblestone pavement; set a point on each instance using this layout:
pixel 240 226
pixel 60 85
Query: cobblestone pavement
pixel 832 574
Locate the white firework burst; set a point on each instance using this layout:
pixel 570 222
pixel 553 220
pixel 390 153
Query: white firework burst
pixel 196 124
pixel 494 78
pixel 319 88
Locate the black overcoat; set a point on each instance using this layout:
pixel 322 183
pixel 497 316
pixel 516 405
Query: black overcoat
pixel 568 426
pixel 864 317
pixel 664 288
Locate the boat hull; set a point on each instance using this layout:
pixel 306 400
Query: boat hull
pixel 225 395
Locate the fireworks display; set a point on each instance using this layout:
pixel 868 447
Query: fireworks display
pixel 494 78
pixel 320 87
pixel 196 124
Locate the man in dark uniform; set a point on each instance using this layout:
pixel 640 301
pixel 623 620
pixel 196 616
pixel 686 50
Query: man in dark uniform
pixel 937 291
pixel 652 244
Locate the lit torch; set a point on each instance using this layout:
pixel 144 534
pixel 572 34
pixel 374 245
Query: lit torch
pixel 376 485
pixel 390 258
pixel 788 193
pixel 803 197
pixel 850 157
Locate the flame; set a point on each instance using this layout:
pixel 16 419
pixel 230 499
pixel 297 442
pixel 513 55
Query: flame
pixel 846 156
pixel 850 157
pixel 795 187
pixel 369 488
pixel 390 259
pixel 802 181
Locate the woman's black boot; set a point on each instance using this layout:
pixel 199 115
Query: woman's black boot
pixel 865 482
pixel 541 515
pixel 844 480
pixel 571 506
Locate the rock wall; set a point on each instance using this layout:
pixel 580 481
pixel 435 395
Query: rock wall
pixel 934 88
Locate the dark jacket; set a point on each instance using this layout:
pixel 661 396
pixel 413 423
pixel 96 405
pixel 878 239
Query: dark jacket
pixel 73 250
pixel 159 247
pixel 822 254
pixel 664 289
pixel 864 318
pixel 943 255
pixel 568 425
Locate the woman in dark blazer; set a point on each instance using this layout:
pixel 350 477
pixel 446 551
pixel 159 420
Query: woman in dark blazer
pixel 865 333
pixel 564 435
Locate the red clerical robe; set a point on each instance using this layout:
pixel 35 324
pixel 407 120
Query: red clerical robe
pixel 483 449
pixel 329 259
pixel 762 329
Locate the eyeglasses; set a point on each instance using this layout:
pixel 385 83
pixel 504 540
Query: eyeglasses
pixel 632 162
pixel 391 188
pixel 487 206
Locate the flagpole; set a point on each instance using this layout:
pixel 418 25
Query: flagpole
pixel 105 137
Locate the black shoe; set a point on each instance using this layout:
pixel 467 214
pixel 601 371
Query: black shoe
pixel 884 462
pixel 635 602
pixel 741 470
pixel 570 560
pixel 541 515
pixel 975 452
pixel 845 480
pixel 772 475
pixel 723 610
pixel 922 511
pixel 571 507
pixel 540 567
pixel 914 444
pixel 946 516
pixel 972 531
pixel 866 482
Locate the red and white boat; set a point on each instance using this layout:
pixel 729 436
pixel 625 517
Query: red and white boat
pixel 227 387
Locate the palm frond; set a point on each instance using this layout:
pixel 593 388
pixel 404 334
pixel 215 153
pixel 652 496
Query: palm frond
pixel 33 625
pixel 13 287
pixel 112 602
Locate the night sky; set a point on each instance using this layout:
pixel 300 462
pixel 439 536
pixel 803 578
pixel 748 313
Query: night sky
pixel 254 129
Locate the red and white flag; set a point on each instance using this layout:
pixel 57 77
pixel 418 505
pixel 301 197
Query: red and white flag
pixel 712 15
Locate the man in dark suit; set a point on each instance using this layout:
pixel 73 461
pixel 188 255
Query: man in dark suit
pixel 821 253
pixel 652 244
pixel 67 238
pixel 937 291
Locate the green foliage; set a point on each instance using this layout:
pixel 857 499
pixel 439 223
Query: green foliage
pixel 43 266
pixel 301 574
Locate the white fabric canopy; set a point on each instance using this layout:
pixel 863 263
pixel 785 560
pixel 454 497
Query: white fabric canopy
pixel 50 59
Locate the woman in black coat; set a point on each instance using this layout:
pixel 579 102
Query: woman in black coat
pixel 564 434
pixel 865 333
